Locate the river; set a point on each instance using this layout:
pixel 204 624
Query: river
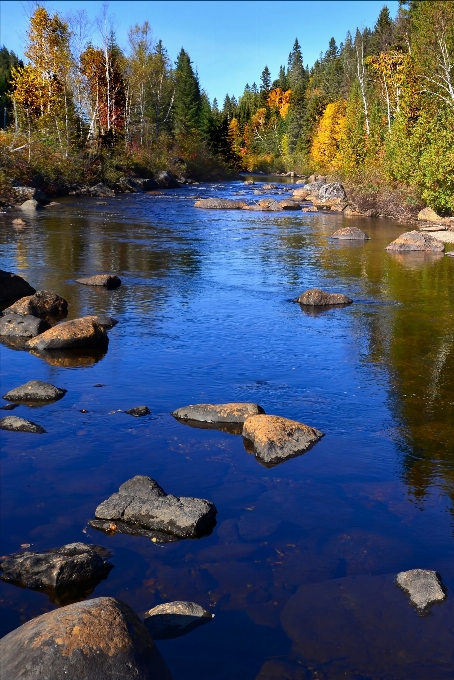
pixel 299 570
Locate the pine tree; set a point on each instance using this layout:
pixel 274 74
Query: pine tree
pixel 297 82
pixel 187 102
pixel 265 79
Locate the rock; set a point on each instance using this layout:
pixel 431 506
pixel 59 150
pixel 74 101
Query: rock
pixel 166 180
pixel 434 229
pixel 105 280
pixel 172 619
pixel 58 568
pixel 30 206
pixel 219 204
pixel 302 193
pixel 15 424
pixel 315 296
pixel 416 240
pixel 35 390
pixel 429 215
pixel 138 411
pixel 30 193
pixel 233 412
pixel 100 190
pixel 275 439
pixel 288 204
pixel 103 320
pixel 332 191
pixel 75 334
pixel 141 501
pixel 422 585
pixel 9 407
pixel 300 181
pixel 41 303
pixel 127 184
pixel 350 233
pixel 53 204
pixel 17 326
pixel 13 287
pixel 18 222
pixel 99 639
pixel 147 184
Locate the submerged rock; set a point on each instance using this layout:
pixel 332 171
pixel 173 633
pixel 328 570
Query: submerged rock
pixel 416 240
pixel 78 333
pixel 315 296
pixel 141 501
pixel 57 568
pixel 100 639
pixel 13 287
pixel 233 412
pixel 35 390
pixel 105 280
pixel 219 204
pixel 172 619
pixel 350 233
pixel 274 439
pixel 16 424
pixel 422 585
pixel 138 411
pixel 41 303
pixel 18 326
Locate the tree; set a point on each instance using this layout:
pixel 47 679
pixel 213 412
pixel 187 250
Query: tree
pixel 187 100
pixel 325 151
pixel 297 81
pixel 265 79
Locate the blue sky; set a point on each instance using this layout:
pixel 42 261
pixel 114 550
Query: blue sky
pixel 228 41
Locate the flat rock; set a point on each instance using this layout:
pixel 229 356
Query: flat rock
pixel 99 639
pixel 141 501
pixel 416 240
pixel 41 303
pixel 105 280
pixel 15 424
pixel 422 585
pixel 103 320
pixel 75 334
pixel 18 326
pixel 274 439
pixel 234 412
pixel 13 287
pixel 350 233
pixel 57 568
pixel 333 191
pixel 317 297
pixel 35 390
pixel 172 619
pixel 219 204
pixel 138 411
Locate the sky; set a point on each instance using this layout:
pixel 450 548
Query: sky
pixel 229 41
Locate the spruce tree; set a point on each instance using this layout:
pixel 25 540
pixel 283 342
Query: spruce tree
pixel 297 80
pixel 265 79
pixel 187 102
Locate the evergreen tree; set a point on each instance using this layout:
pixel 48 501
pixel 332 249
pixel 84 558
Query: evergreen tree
pixel 265 79
pixel 297 80
pixel 187 102
pixel 8 60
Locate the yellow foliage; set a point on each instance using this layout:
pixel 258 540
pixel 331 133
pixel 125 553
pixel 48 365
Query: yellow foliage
pixel 328 136
pixel 280 99
pixel 234 135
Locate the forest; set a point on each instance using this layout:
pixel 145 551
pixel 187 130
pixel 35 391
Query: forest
pixel 377 110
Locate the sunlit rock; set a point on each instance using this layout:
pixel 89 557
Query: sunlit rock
pixel 274 439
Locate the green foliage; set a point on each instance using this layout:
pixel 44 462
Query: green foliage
pixel 187 102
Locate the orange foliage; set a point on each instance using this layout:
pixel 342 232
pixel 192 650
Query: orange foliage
pixel 280 99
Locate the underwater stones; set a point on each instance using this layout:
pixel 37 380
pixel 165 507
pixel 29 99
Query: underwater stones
pixel 16 424
pixel 143 503
pixel 274 439
pixel 350 233
pixel 18 326
pixel 423 586
pixel 78 333
pixel 416 240
pixel 317 297
pixel 104 280
pixel 233 412
pixel 138 411
pixel 101 638
pixel 219 204
pixel 43 302
pixel 172 619
pixel 13 287
pixel 35 390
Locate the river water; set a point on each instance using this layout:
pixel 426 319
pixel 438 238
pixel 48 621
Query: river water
pixel 299 570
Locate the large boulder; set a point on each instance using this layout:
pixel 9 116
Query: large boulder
pixel 334 191
pixel 41 303
pixel 173 619
pixel 16 424
pixel 101 191
pixel 416 241
pixel 13 287
pixel 320 298
pixel 141 502
pixel 423 586
pixel 35 391
pixel 18 326
pixel 100 639
pixel 166 180
pixel 350 234
pixel 75 334
pixel 429 215
pixel 274 439
pixel 147 184
pixel 219 204
pixel 105 280
pixel 234 412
